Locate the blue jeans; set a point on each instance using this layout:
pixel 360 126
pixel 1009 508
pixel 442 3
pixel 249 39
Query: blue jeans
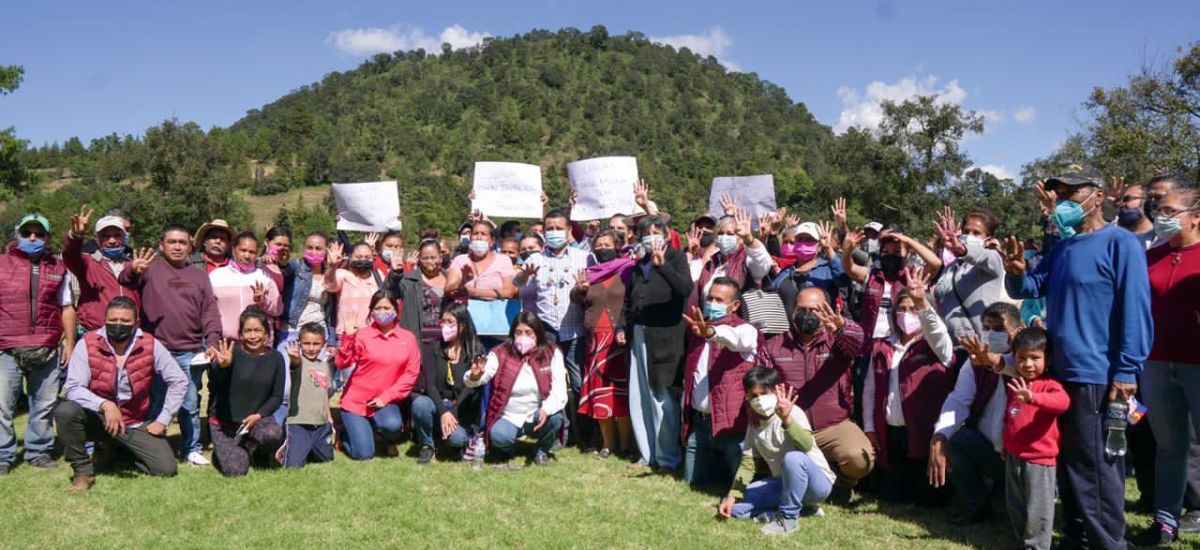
pixel 359 440
pixel 504 434
pixel 802 484
pixel 1172 394
pixel 189 413
pixel 653 412
pixel 423 412
pixel 711 460
pixel 42 394
pixel 973 458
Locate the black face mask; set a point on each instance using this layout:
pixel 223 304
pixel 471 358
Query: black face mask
pixel 1150 206
pixel 891 264
pixel 361 265
pixel 707 239
pixel 118 333
pixel 605 255
pixel 806 322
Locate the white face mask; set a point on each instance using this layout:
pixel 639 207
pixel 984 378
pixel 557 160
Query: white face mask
pixel 997 340
pixel 970 240
pixel 764 405
pixel 727 243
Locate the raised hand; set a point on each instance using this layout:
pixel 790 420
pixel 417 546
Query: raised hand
pixel 658 253
pixel 1116 188
pixel 1014 257
pixel 593 227
pixel 260 291
pixel 79 222
pixel 693 240
pixel 742 226
pixel 830 319
pixel 700 326
pixel 979 352
pixel 581 280
pixel 766 226
pixel 398 261
pixel 918 281
pixel 828 239
pixel 468 273
pixel 477 365
pixel 351 330
pixel 471 195
pixel 1021 389
pixel 222 354
pixel 333 255
pixel 728 205
pixel 838 210
pixel 785 400
pixel 852 240
pixel 371 239
pixel 571 200
pixel 948 232
pixel 142 259
pixel 545 198
pixel 529 271
pixel 293 352
pixel 641 193
pixel 1045 198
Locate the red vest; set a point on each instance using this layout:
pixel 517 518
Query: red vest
pixel 506 376
pixel 735 268
pixel 139 367
pixel 820 373
pixel 26 322
pixel 873 298
pixel 924 384
pixel 726 395
pixel 985 385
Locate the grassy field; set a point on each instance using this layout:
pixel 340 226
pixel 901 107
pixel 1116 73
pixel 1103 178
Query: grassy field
pixel 578 501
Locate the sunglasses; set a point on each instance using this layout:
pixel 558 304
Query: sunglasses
pixel 27 233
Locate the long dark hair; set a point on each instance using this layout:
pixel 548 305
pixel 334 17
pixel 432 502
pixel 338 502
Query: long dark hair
pixel 545 350
pixel 471 346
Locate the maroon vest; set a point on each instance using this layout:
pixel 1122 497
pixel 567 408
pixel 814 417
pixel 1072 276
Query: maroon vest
pixel 726 395
pixel 924 384
pixel 25 322
pixel 985 385
pixel 139 366
pixel 873 299
pixel 506 376
pixel 735 268
pixel 820 374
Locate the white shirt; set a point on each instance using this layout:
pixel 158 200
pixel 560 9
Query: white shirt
pixel 555 279
pixel 758 264
pixel 742 339
pixel 769 441
pixel 524 402
pixel 957 408
pixel 935 332
pixel 883 320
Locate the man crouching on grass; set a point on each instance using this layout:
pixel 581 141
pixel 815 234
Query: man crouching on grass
pixel 108 396
pixel 779 434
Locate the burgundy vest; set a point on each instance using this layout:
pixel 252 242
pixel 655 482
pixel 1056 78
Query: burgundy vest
pixel 25 322
pixel 924 384
pixel 821 376
pixel 985 385
pixel 873 299
pixel 726 395
pixel 735 268
pixel 139 367
pixel 506 376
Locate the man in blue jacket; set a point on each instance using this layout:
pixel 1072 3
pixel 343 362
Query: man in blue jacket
pixel 1097 292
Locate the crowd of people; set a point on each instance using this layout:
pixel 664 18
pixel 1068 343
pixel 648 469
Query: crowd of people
pixel 792 362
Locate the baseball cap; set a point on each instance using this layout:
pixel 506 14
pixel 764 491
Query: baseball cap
pixel 809 228
pixel 35 218
pixel 1076 175
pixel 874 225
pixel 110 221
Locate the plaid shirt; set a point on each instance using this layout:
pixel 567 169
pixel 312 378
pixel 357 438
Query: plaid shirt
pixel 556 278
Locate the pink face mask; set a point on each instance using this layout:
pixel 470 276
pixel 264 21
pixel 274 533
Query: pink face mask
pixel 524 344
pixel 800 250
pixel 449 332
pixel 245 269
pixel 314 259
pixel 909 324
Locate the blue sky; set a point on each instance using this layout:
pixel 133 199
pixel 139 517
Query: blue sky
pixel 98 67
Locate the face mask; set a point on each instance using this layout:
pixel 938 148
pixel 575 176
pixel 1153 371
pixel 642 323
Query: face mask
pixel 997 340
pixel 706 240
pixel 872 246
pixel 1150 207
pixel 622 238
pixel 479 247
pixel 429 268
pixel 449 333
pixel 1128 217
pixel 1166 228
pixel 386 255
pixel 464 241
pixel 800 250
pixel 605 255
pixel 31 247
pixel 384 318
pixel 556 238
pixel 909 324
pixel 715 311
pixel 113 252
pixel 651 241
pixel 524 344
pixel 764 405
pixel 244 269
pixel 118 333
pixel 970 240
pixel 314 259
pixel 891 265
pixel 726 244
pixel 1068 215
pixel 1029 254
pixel 806 322
pixel 361 266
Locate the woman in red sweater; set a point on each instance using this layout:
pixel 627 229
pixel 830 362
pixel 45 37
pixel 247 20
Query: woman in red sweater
pixel 1171 376
pixel 387 363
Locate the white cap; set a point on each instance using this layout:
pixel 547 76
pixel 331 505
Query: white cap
pixel 110 221
pixel 809 228
pixel 874 225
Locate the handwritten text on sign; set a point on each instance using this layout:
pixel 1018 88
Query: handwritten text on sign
pixel 508 189
pixel 603 187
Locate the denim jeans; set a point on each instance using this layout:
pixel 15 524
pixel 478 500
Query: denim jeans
pixel 711 460
pixel 504 434
pixel 973 459
pixel 189 413
pixel 1172 394
pixel 42 394
pixel 359 440
pixel 802 484
pixel 424 411
pixel 654 412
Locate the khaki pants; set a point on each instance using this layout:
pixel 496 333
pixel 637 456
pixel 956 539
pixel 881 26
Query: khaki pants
pixel 848 451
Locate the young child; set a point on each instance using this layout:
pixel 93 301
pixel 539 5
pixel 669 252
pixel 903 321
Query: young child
pixel 309 425
pixel 778 433
pixel 1035 402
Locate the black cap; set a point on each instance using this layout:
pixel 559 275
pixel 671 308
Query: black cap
pixel 705 218
pixel 1076 175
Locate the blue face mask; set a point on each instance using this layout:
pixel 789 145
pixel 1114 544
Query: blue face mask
pixel 1068 215
pixel 650 241
pixel 715 311
pixel 31 247
pixel 556 238
pixel 113 253
pixel 384 318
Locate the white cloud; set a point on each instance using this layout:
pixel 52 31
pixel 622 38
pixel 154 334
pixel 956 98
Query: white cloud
pixel 715 43
pixel 374 40
pixel 866 110
pixel 1024 114
pixel 999 171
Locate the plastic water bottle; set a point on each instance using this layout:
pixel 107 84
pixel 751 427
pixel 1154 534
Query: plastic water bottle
pixel 1114 423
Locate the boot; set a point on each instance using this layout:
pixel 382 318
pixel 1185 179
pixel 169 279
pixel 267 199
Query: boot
pixel 80 484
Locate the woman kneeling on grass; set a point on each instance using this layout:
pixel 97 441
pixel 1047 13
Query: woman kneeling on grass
pixel 246 385
pixel 780 435
pixel 529 388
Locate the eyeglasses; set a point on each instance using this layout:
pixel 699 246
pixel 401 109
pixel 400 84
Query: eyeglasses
pixel 27 233
pixel 1171 212
pixel 1131 198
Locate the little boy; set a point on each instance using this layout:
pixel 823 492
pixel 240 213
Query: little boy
pixel 779 433
pixel 309 425
pixel 1035 402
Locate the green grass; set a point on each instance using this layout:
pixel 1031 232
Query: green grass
pixel 577 501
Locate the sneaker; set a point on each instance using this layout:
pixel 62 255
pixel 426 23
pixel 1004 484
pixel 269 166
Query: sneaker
pixel 81 484
pixel 426 455
pixel 604 454
pixel 541 459
pixel 44 462
pixel 1157 534
pixel 196 459
pixel 765 518
pixel 4 468
pixel 813 511
pixel 1190 522
pixel 781 526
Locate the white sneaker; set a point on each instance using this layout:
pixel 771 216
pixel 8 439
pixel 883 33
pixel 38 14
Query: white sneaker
pixel 196 459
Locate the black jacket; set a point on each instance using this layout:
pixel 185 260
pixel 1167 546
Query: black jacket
pixel 468 402
pixel 657 303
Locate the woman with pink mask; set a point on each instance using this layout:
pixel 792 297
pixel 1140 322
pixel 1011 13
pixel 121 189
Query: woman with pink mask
pixel 814 263
pixel 242 283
